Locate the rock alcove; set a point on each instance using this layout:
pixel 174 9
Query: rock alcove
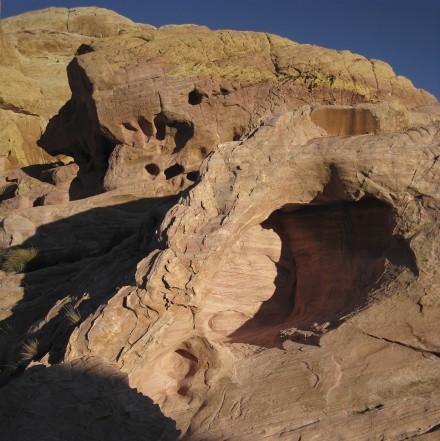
pixel 304 269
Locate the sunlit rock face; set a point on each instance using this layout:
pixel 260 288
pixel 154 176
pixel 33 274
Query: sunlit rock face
pixel 294 260
pixel 245 247
pixel 149 105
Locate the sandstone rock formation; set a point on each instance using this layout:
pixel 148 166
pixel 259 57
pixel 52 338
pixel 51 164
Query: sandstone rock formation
pixel 262 261
pixel 35 50
pixel 160 100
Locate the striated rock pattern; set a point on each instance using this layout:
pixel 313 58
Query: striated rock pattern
pixel 298 259
pixel 262 261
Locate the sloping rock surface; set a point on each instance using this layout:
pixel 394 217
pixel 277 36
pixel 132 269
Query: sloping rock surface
pixel 262 261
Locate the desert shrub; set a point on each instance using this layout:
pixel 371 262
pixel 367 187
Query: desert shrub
pixel 16 260
pixel 29 350
pixel 72 315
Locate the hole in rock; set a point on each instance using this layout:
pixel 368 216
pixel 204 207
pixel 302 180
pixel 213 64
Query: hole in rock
pixel 173 171
pixel 343 122
pixel 145 126
pixel 191 360
pixel 84 49
pixel 184 132
pixel 129 126
pixel 161 126
pixel 192 176
pixel 181 131
pixel 195 97
pixel 153 169
pixel 304 269
pixel 38 202
pixel 183 390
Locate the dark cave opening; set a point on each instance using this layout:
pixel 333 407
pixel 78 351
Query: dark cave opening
pixel 161 126
pixel 192 176
pixel 180 131
pixel 184 131
pixel 145 126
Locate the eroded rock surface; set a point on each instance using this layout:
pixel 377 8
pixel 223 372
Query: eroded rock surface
pixel 151 105
pixel 288 291
pixel 36 47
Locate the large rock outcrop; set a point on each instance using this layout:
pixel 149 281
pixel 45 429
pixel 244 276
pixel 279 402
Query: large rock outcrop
pixel 149 106
pixel 298 259
pixel 263 262
pixel 36 47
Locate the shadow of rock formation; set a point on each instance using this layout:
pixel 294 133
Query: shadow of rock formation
pixel 87 399
pixel 82 261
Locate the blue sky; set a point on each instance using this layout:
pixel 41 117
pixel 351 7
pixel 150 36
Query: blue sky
pixel 404 33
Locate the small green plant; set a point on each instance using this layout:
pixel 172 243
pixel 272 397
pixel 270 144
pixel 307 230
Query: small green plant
pixel 72 314
pixel 17 259
pixel 29 350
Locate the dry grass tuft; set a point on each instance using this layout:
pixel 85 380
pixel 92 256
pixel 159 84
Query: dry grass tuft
pixel 8 329
pixel 72 314
pixel 29 350
pixel 17 259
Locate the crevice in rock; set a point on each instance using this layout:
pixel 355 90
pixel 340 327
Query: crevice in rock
pixel 405 345
pixel 129 126
pixel 370 409
pixel 10 107
pixel 238 133
pixel 433 429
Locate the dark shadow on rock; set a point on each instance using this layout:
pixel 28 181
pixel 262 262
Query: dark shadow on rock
pixel 85 257
pixel 86 399
pixel 333 255
pixel 75 131
pixel 36 170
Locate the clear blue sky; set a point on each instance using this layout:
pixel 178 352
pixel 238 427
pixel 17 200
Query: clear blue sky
pixel 404 33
